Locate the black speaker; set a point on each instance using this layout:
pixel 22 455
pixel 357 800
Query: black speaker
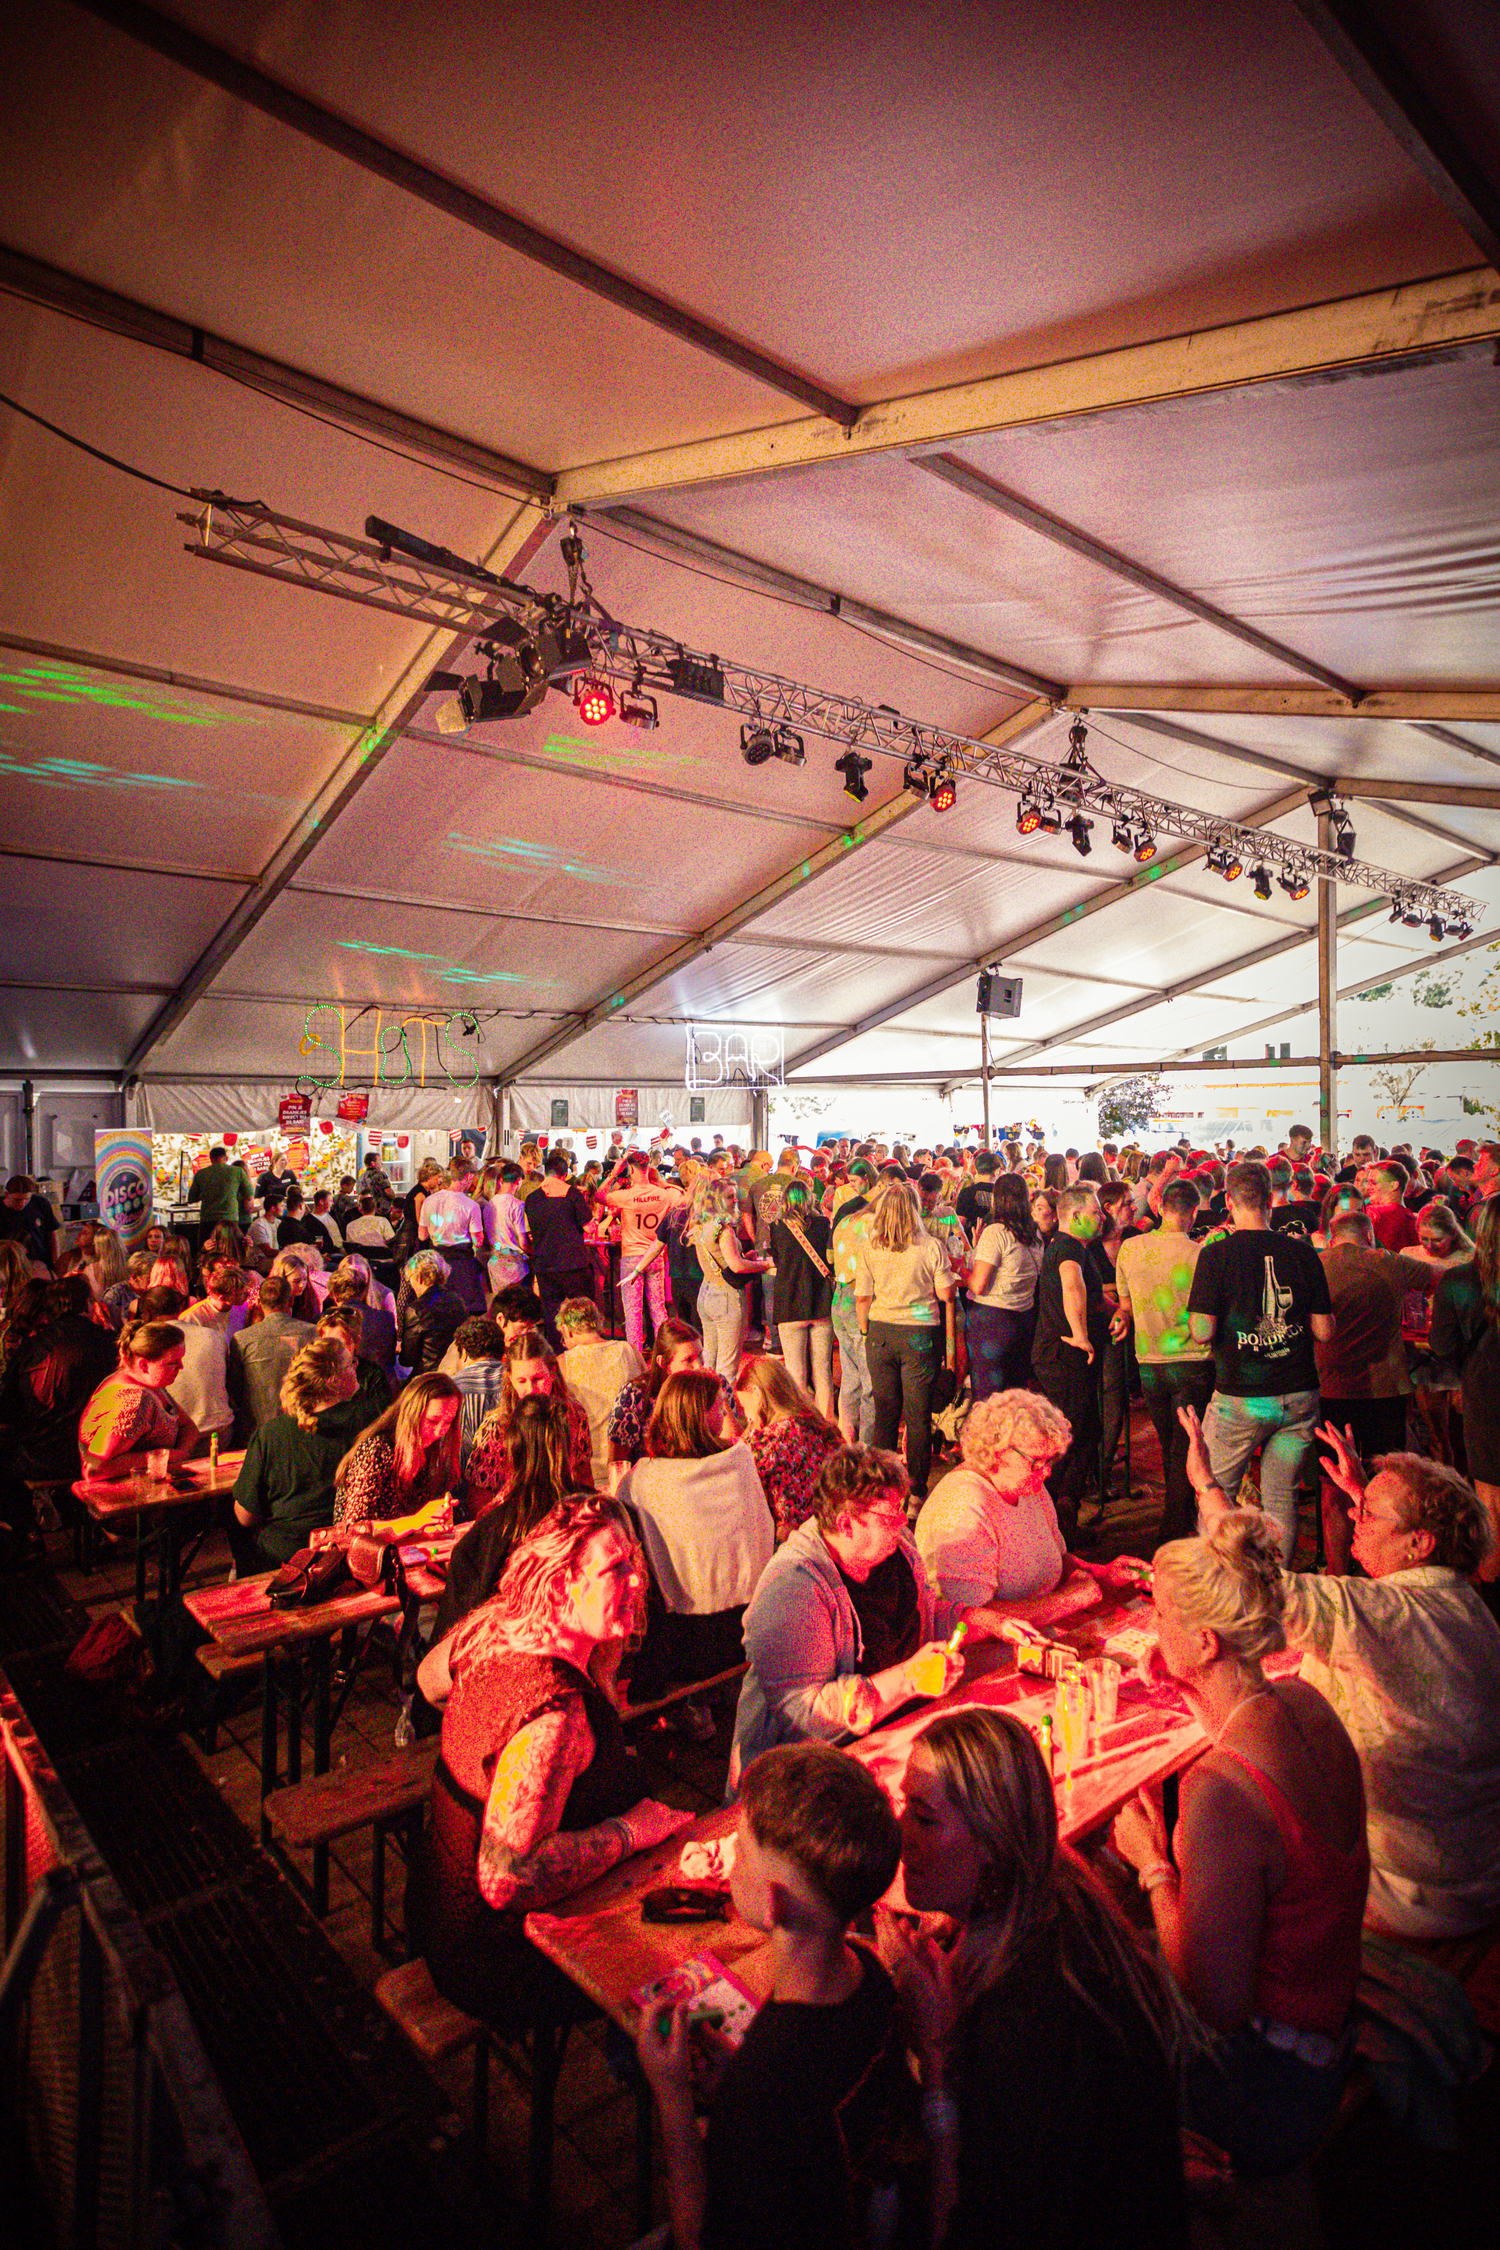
pixel 998 996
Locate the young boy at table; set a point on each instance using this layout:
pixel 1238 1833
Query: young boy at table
pixel 801 2115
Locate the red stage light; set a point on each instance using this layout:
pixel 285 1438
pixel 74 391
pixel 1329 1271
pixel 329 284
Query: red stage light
pixel 944 794
pixel 595 701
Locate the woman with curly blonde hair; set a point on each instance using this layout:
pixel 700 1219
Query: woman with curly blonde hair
pixel 285 1489
pixel 535 1793
pixel 989 1536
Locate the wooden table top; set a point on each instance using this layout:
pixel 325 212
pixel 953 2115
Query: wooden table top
pixel 240 1619
pixel 599 1940
pixel 140 1495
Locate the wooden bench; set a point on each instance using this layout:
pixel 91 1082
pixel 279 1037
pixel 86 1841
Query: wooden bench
pixel 388 1794
pixel 436 2031
pixel 220 1666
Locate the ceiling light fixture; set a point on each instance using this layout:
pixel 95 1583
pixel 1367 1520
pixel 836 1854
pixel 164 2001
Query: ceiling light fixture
pixel 854 768
pixel 637 710
pixel 757 743
pixel 1262 882
pixel 594 700
pixel 789 747
pixel 944 791
pixel 1028 816
pixel 1224 860
pixel 1078 831
pixel 1293 882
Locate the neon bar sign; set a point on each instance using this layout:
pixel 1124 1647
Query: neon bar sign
pixel 734 1054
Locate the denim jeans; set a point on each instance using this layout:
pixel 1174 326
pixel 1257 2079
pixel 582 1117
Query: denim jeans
pixel 799 1338
pixel 768 1307
pixel 1281 1431
pixel 721 1315
pixel 1166 1385
pixel 856 1399
pixel 903 1362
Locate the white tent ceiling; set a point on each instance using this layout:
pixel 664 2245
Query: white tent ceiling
pixel 1160 289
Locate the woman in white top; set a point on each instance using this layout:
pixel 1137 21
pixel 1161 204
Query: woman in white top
pixel 455 1224
pixel 989 1537
pixel 1002 1290
pixel 1409 1658
pixel 902 1281
pixel 706 1530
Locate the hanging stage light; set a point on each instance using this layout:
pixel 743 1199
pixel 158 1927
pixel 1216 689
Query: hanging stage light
pixel 1145 844
pixel 925 777
pixel 757 744
pixel 854 768
pixel 944 791
pixel 1078 831
pixel 1293 882
pixel 1343 833
pixel 1437 929
pixel 789 747
pixel 1413 916
pixel 1224 860
pixel 1398 910
pixel 637 710
pixel 1122 835
pixel 594 700
pixel 1028 816
pixel 1049 820
pixel 1262 882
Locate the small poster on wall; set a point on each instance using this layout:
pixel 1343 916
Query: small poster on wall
pixel 560 1112
pixel 295 1114
pixel 355 1108
pixel 628 1106
pixel 696 1107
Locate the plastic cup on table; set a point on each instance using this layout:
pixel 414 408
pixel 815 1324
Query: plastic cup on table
pixel 158 1460
pixel 1102 1677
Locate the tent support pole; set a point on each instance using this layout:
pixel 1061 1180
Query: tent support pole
pixel 984 1071
pixel 760 1114
pixel 1328 987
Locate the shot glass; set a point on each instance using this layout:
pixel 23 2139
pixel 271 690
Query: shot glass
pixel 1103 1676
pixel 158 1460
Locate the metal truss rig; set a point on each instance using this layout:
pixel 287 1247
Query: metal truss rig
pixel 406 577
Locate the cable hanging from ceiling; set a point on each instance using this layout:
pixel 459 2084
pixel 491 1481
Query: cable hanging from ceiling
pixel 532 641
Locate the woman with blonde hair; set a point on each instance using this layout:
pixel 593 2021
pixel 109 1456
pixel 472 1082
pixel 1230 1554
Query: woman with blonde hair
pixel 107 1268
pixel 902 1282
pixel 132 1414
pixel 727 1272
pixel 535 1793
pixel 1259 1897
pixel 406 1459
pixel 285 1489
pixel 305 1302
pixel 1045 2037
pixel 706 1530
pixel 789 1439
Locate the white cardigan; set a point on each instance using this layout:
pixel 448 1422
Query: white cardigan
pixel 706 1528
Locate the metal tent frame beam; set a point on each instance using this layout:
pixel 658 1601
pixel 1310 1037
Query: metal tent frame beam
pixel 1471 699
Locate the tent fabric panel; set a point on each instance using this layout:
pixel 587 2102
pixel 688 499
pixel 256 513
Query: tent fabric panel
pixel 95 560
pixel 84 1031
pixel 941 560
pixel 237 1038
pixel 581 375
pixel 168 774
pixel 759 985
pixel 441 825
pixel 591 1113
pixel 937 905
pixel 1353 518
pixel 1270 183
pixel 313 948
pixel 101 927
pixel 229 1105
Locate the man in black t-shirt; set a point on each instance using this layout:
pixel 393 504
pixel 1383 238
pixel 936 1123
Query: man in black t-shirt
pixel 28 1218
pixel 1261 1299
pixel 1072 1330
pixel 976 1197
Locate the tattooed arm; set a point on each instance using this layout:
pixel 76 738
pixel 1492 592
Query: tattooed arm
pixel 525 1859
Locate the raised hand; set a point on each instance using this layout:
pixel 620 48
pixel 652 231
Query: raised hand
pixel 1345 1469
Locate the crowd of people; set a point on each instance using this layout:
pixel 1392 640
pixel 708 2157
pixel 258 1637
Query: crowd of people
pixel 866 1407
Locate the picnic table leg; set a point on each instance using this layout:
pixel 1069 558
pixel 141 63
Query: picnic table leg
pixel 548 2039
pixel 140 1560
pixel 269 1728
pixel 322 1758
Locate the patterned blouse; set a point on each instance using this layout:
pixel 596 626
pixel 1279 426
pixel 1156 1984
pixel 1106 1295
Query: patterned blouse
pixel 488 1470
pixel 789 1455
pixel 370 1493
pixel 126 1417
pixel 632 1411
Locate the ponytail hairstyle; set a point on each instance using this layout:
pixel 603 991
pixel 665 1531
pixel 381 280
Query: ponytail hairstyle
pixel 1229 1582
pixel 149 1340
pixel 313 1381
